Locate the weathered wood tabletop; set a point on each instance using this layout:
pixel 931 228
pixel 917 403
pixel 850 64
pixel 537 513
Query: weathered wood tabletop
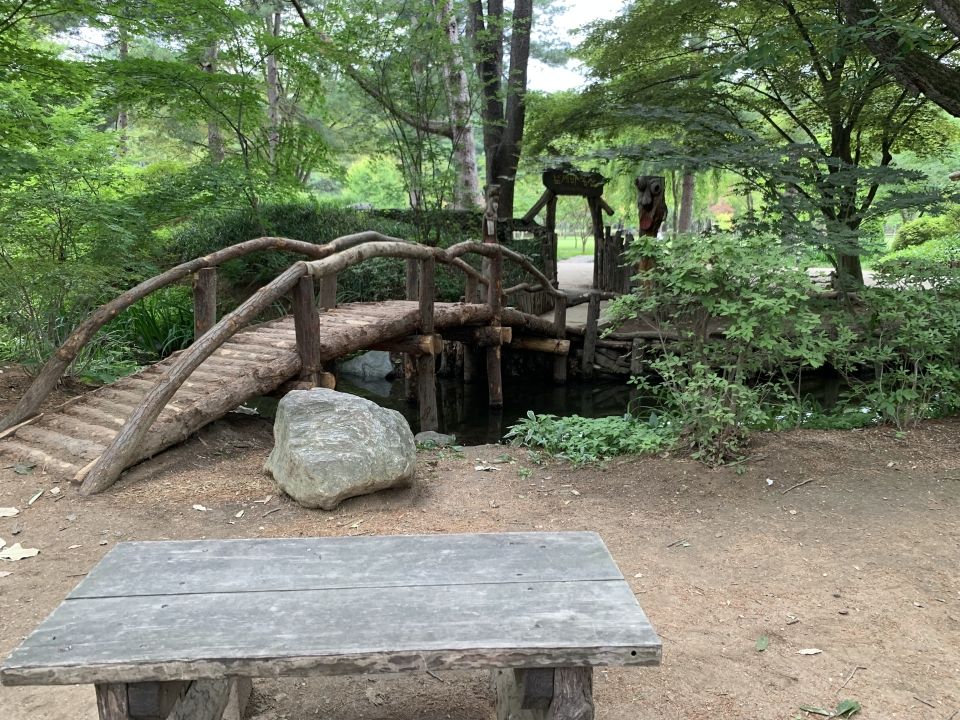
pixel 154 611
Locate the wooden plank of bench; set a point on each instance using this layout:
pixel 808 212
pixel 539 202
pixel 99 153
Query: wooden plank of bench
pixel 182 567
pixel 354 630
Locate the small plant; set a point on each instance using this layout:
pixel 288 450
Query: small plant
pixel 586 440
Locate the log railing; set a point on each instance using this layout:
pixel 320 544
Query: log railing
pixel 297 280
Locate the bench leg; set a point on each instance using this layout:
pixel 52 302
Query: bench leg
pixel 544 694
pixel 175 700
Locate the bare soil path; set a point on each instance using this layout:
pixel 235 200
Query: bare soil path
pixel 861 562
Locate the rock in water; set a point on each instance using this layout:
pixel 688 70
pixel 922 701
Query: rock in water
pixel 371 365
pixel 329 446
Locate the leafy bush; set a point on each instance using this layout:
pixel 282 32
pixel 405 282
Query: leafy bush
pixel 584 440
pixel 935 264
pixel 921 230
pixel 735 323
pixel 158 325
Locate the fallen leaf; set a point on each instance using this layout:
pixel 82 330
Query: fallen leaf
pixel 769 482
pixel 9 512
pixel 199 507
pixel 264 501
pixel 5 573
pixel 809 651
pixel 847 708
pixel 73 547
pixel 55 491
pixel 239 514
pixel 575 492
pixel 18 552
pixel 356 524
pixel 484 468
pixel 36 497
pixel 23 468
pixel 763 642
pixel 816 710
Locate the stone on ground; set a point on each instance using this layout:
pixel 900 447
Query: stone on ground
pixel 430 438
pixel 329 446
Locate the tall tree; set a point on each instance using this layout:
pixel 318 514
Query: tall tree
pixel 917 48
pixel 503 110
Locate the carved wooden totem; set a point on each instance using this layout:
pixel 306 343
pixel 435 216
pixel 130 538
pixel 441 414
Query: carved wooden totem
pixel 651 203
pixel 652 209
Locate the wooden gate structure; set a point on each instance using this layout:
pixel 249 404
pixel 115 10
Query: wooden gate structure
pixel 93 438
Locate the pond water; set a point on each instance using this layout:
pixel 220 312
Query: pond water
pixel 464 411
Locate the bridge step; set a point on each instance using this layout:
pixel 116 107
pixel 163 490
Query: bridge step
pixel 255 361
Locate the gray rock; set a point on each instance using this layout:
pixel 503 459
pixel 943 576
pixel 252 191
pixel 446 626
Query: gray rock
pixel 329 446
pixel 429 437
pixel 372 365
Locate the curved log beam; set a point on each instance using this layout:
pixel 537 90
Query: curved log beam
pixel 117 456
pixel 53 370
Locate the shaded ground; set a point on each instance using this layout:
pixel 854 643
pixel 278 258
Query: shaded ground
pixel 861 562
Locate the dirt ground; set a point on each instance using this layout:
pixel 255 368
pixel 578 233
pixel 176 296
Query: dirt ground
pixel 861 562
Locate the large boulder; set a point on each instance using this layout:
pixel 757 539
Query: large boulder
pixel 329 446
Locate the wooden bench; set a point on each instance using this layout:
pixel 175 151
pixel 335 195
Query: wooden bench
pixel 177 629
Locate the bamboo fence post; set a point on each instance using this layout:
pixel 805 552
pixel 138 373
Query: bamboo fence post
pixel 426 364
pixel 204 301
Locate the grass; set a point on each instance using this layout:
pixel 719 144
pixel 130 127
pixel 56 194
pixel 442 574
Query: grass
pixel 569 246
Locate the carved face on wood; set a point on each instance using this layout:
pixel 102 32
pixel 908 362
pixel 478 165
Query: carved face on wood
pixel 651 203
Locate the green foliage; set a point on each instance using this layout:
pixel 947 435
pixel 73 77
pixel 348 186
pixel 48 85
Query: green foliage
pixel 585 440
pixel 935 263
pixel 921 230
pixel 158 325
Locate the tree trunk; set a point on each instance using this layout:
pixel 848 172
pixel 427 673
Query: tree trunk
pixel 123 51
pixel 503 123
pixel 467 193
pixel 685 222
pixel 214 138
pixel 273 94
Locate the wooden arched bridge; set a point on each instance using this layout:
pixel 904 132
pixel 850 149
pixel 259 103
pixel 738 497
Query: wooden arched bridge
pixel 94 437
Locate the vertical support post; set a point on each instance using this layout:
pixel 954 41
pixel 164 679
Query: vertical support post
pixel 328 292
pixel 409 362
pixel 426 364
pixel 469 352
pixel 112 702
pixel 636 357
pixel 495 301
pixel 560 332
pixel 597 221
pixel 306 323
pixel 204 301
pixel 590 335
pixel 551 259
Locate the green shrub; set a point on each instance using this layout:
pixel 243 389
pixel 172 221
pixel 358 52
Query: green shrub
pixel 158 325
pixel 923 229
pixel 935 264
pixel 585 440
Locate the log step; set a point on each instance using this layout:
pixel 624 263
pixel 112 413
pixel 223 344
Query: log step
pixel 20 452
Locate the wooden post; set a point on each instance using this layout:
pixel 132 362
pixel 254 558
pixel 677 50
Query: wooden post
pixel 636 356
pixel 112 702
pixel 426 364
pixel 469 353
pixel 544 693
pixel 560 332
pixel 495 301
pixel 306 323
pixel 590 335
pixel 409 361
pixel 328 291
pixel 204 301
pixel 596 218
pixel 550 261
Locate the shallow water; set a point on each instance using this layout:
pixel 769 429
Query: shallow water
pixel 464 411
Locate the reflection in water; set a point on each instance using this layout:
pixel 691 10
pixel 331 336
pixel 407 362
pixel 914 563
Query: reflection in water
pixel 464 411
